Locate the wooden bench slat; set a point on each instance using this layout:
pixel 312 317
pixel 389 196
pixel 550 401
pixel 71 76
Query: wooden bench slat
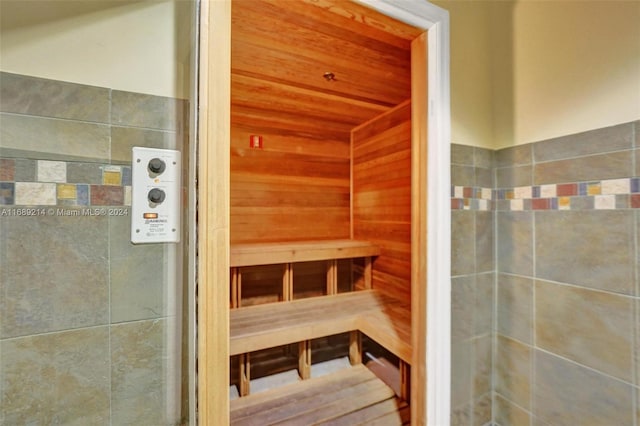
pixel 385 320
pixel 391 410
pixel 302 251
pixel 349 393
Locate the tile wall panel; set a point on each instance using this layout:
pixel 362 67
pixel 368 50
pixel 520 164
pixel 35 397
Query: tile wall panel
pixel 567 291
pixel 80 305
pixel 33 96
pixel 59 378
pixel 567 394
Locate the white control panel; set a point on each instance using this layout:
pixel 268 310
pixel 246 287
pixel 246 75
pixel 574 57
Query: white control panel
pixel 155 195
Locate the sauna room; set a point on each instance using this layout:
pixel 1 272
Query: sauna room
pixel 321 213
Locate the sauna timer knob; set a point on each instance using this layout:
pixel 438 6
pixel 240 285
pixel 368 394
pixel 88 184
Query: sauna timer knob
pixel 156 195
pixel 157 166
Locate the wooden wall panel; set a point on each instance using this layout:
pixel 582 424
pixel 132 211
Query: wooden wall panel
pixel 382 196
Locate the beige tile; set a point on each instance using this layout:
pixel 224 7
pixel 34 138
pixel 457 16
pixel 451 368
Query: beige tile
pixel 513 371
pixel 587 248
pixel 462 155
pixel 482 410
pixel 35 194
pixel 515 307
pixel 461 416
pixel 482 369
pixel 568 394
pixel 463 241
pixel 143 372
pixel 637 159
pixel 52 171
pixel 147 111
pixel 54 274
pixel 141 288
pixel 461 380
pixel 509 177
pixel 590 327
pixel 51 139
pixel 515 242
pixel 60 378
pixel 484 177
pixel 484 236
pixel 483 158
pixel 608 139
pixel 125 138
pixel 514 156
pixel 50 98
pixel 462 307
pixel 507 414
pixel 595 167
pixel 463 175
pixel 483 308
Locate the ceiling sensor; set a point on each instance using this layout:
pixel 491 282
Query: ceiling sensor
pixel 329 76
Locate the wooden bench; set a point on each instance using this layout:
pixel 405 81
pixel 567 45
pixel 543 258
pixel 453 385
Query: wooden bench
pixel 289 253
pixel 252 328
pixel 354 396
pixel 385 320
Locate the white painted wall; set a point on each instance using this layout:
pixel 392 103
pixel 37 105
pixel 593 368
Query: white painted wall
pixel 526 70
pixel 139 46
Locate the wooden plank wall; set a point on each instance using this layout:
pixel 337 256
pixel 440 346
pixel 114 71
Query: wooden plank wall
pixel 382 196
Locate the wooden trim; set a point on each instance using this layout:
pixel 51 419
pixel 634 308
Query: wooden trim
pixel 236 287
pixel 368 272
pixel 419 158
pixel 213 212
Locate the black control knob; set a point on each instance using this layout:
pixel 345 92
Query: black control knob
pixel 157 166
pixel 156 196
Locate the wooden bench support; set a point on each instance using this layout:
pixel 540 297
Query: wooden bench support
pixel 236 287
pixel 332 276
pixel 368 273
pixel 355 348
pixel 405 384
pixel 304 359
pixel 287 282
pixel 245 374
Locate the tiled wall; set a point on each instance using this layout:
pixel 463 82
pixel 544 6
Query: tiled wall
pixel 567 337
pixel 566 313
pixel 88 325
pixel 472 284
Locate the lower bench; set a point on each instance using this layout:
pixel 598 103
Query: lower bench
pixel 354 396
pixel 383 319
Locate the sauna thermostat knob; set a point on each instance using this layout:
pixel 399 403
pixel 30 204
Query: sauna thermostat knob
pixel 157 166
pixel 156 195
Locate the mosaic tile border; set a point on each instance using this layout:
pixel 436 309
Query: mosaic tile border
pixel 609 194
pixel 55 183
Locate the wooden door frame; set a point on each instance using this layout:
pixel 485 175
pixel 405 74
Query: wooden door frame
pixel 431 259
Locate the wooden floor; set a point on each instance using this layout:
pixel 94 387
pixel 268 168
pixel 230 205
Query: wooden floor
pixel 354 396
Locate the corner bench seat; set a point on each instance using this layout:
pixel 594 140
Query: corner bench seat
pixel 383 319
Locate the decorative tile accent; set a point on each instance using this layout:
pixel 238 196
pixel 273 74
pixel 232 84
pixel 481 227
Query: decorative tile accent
pixel 106 195
pixel 112 175
pixel 35 194
pixel 7 192
pixel 67 191
pixel 52 171
pixel 7 169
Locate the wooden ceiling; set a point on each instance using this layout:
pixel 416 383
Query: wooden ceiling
pixel 282 48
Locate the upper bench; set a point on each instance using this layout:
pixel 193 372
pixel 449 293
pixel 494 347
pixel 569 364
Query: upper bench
pixel 303 251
